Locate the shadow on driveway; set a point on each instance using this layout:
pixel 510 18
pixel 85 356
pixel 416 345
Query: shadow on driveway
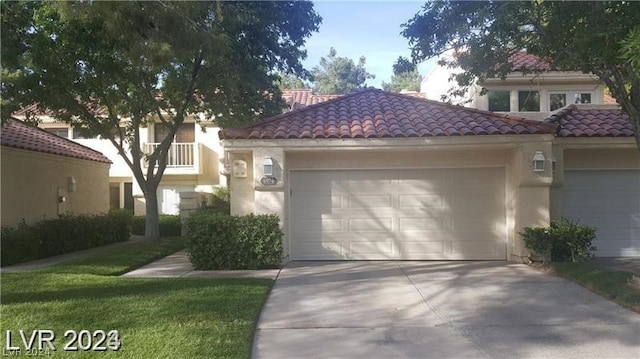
pixel 382 309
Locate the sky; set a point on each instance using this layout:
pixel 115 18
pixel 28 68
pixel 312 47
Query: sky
pixel 364 28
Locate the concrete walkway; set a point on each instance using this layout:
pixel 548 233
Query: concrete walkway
pixel 172 266
pixel 178 265
pixel 438 310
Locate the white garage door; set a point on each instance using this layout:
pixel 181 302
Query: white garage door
pixel 398 214
pixel 609 201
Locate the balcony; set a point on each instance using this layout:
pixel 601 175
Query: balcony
pixel 183 158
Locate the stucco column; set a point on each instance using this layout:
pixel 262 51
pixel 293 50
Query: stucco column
pixel 533 193
pixel 270 194
pixel 269 197
pixel 241 186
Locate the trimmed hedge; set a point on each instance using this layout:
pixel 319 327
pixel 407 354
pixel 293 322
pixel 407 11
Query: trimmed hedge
pixel 216 241
pixel 170 225
pixel 67 233
pixel 564 240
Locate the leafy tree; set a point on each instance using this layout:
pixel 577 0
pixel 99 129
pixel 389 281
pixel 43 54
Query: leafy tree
pixel 593 37
pixel 339 75
pixel 291 82
pixel 631 49
pixel 405 77
pixel 109 68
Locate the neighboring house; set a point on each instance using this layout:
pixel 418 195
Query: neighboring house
pixel 195 162
pixel 376 175
pixel 195 159
pixel 44 175
pixel 297 99
pixel 533 90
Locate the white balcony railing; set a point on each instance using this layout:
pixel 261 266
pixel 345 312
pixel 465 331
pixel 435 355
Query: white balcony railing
pixel 181 155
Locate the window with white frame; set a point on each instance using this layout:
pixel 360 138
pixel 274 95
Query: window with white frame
pixel 58 131
pixel 499 101
pixel 528 101
pixel 558 100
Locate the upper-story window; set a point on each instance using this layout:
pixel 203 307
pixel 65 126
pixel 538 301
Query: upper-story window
pixel 528 101
pixel 59 131
pixel 582 98
pixel 499 101
pixel 186 133
pixel 559 100
pixel 79 134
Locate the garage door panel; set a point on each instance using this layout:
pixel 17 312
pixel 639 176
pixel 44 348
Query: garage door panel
pixel 420 223
pixel 369 224
pixel 610 202
pixel 370 201
pixel 314 250
pixel 399 214
pixel 371 249
pixel 422 249
pixel 317 202
pixel 486 248
pixel 418 200
pixel 322 224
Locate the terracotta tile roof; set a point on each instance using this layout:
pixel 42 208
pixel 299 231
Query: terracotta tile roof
pixel 18 135
pixel 375 113
pixel 575 121
pixel 297 99
pixel 524 61
pixel 609 100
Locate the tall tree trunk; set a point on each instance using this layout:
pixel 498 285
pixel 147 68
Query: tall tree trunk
pixel 152 224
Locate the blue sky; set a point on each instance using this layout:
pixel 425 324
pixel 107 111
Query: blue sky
pixel 364 28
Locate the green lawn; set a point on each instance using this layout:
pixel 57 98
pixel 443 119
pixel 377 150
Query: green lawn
pixel 155 318
pixel 612 284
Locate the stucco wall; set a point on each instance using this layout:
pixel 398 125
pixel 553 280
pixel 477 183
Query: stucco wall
pixel 31 182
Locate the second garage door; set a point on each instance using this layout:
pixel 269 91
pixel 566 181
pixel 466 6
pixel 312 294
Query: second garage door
pixel 433 214
pixel 610 202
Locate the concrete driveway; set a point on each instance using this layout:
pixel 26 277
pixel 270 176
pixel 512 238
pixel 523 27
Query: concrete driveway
pixel 438 310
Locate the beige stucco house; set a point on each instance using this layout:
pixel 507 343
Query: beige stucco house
pixel 194 163
pixel 376 175
pixel 44 175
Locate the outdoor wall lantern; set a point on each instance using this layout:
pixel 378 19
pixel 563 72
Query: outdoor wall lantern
pixel 268 179
pixel 538 161
pixel 72 185
pixel 268 166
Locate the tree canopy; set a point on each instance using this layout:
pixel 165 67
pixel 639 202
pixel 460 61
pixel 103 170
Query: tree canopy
pixel 405 77
pixel 339 75
pixel 291 82
pixel 110 67
pixel 598 37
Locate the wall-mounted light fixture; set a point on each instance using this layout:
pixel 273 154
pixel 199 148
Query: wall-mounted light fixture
pixel 553 164
pixel 538 161
pixel 72 185
pixel 268 166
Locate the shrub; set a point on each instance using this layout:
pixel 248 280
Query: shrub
pixel 216 241
pixel 170 225
pixel 572 242
pixel 64 234
pixel 220 202
pixel 564 240
pixel 538 240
